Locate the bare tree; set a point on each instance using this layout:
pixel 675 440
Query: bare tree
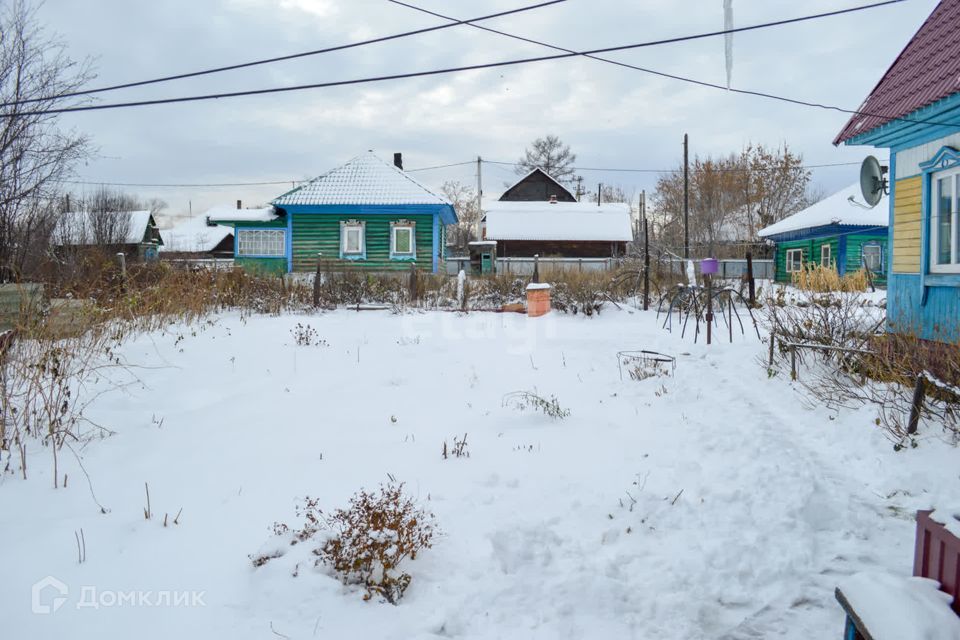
pixel 731 197
pixel 551 155
pixel 777 185
pixel 36 77
pixel 612 193
pixel 464 200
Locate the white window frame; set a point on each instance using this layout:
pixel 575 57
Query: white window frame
pixel 933 248
pixel 826 255
pixel 403 226
pixel 345 229
pixel 863 256
pixel 788 260
pixel 261 243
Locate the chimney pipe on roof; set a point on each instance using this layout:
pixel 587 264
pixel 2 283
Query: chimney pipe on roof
pixel 553 199
pixel 239 205
pixel 398 161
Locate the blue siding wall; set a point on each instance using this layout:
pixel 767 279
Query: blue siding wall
pixel 938 319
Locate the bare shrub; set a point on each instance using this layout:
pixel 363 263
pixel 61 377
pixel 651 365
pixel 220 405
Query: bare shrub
pixel 458 450
pixel 46 379
pixel 525 400
pixel 858 365
pixel 305 335
pixel 820 279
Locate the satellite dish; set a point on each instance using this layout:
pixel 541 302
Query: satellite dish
pixel 873 185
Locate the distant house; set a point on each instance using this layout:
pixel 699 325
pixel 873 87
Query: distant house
pixel 134 233
pixel 914 111
pixel 198 239
pixel 538 215
pixel 366 214
pixel 836 232
pixel 537 186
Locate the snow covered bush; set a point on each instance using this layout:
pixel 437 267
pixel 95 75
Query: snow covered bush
pixel 373 536
pixel 364 544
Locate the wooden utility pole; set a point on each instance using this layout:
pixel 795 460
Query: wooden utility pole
pixel 479 194
pixel 686 197
pixel 599 191
pixel 579 187
pixel 646 264
pixel 751 283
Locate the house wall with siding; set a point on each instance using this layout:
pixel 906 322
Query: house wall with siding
pixel 268 266
pixel 918 302
pixel 907 205
pixel 320 233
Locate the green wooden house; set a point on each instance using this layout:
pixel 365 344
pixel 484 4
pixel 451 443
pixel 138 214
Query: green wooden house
pixel 839 231
pixel 366 214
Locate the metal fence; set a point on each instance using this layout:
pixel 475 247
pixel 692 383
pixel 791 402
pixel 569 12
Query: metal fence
pixel 727 269
pixel 524 266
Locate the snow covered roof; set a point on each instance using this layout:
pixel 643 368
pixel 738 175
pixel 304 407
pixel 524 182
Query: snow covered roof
pixel 194 236
pixel 925 72
pixel 835 209
pixel 558 221
pixel 365 179
pixel 76 228
pixel 226 213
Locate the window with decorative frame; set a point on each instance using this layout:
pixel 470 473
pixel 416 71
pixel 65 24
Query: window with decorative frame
pixel 794 260
pixel 353 243
pixel 262 243
pixel 945 221
pixel 872 256
pixel 402 240
pixel 826 253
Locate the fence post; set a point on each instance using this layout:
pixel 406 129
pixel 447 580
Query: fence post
pixel 773 339
pixel 414 283
pixel 316 281
pixel 709 279
pixel 793 362
pixel 916 405
pixel 750 282
pixel 122 259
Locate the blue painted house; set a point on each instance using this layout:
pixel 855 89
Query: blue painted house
pixel 914 111
pixel 366 214
pixel 839 232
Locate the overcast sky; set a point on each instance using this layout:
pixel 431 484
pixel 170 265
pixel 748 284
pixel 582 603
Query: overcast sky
pixel 610 116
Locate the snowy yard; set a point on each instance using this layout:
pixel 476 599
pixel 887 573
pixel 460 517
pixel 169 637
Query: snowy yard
pixel 715 503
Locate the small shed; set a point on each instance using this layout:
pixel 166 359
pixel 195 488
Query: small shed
pixel 839 231
pixel 562 229
pixel 197 239
pixel 134 233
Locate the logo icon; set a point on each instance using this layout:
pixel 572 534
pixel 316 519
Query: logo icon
pixel 42 605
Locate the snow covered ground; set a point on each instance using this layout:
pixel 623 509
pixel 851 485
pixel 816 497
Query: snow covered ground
pixel 712 504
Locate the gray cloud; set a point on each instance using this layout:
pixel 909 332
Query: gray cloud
pixel 612 117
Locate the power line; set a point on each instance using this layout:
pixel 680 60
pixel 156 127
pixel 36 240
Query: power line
pixel 441 166
pixel 196 185
pixel 473 67
pixel 181 186
pixel 292 56
pixel 702 83
pixel 632 170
